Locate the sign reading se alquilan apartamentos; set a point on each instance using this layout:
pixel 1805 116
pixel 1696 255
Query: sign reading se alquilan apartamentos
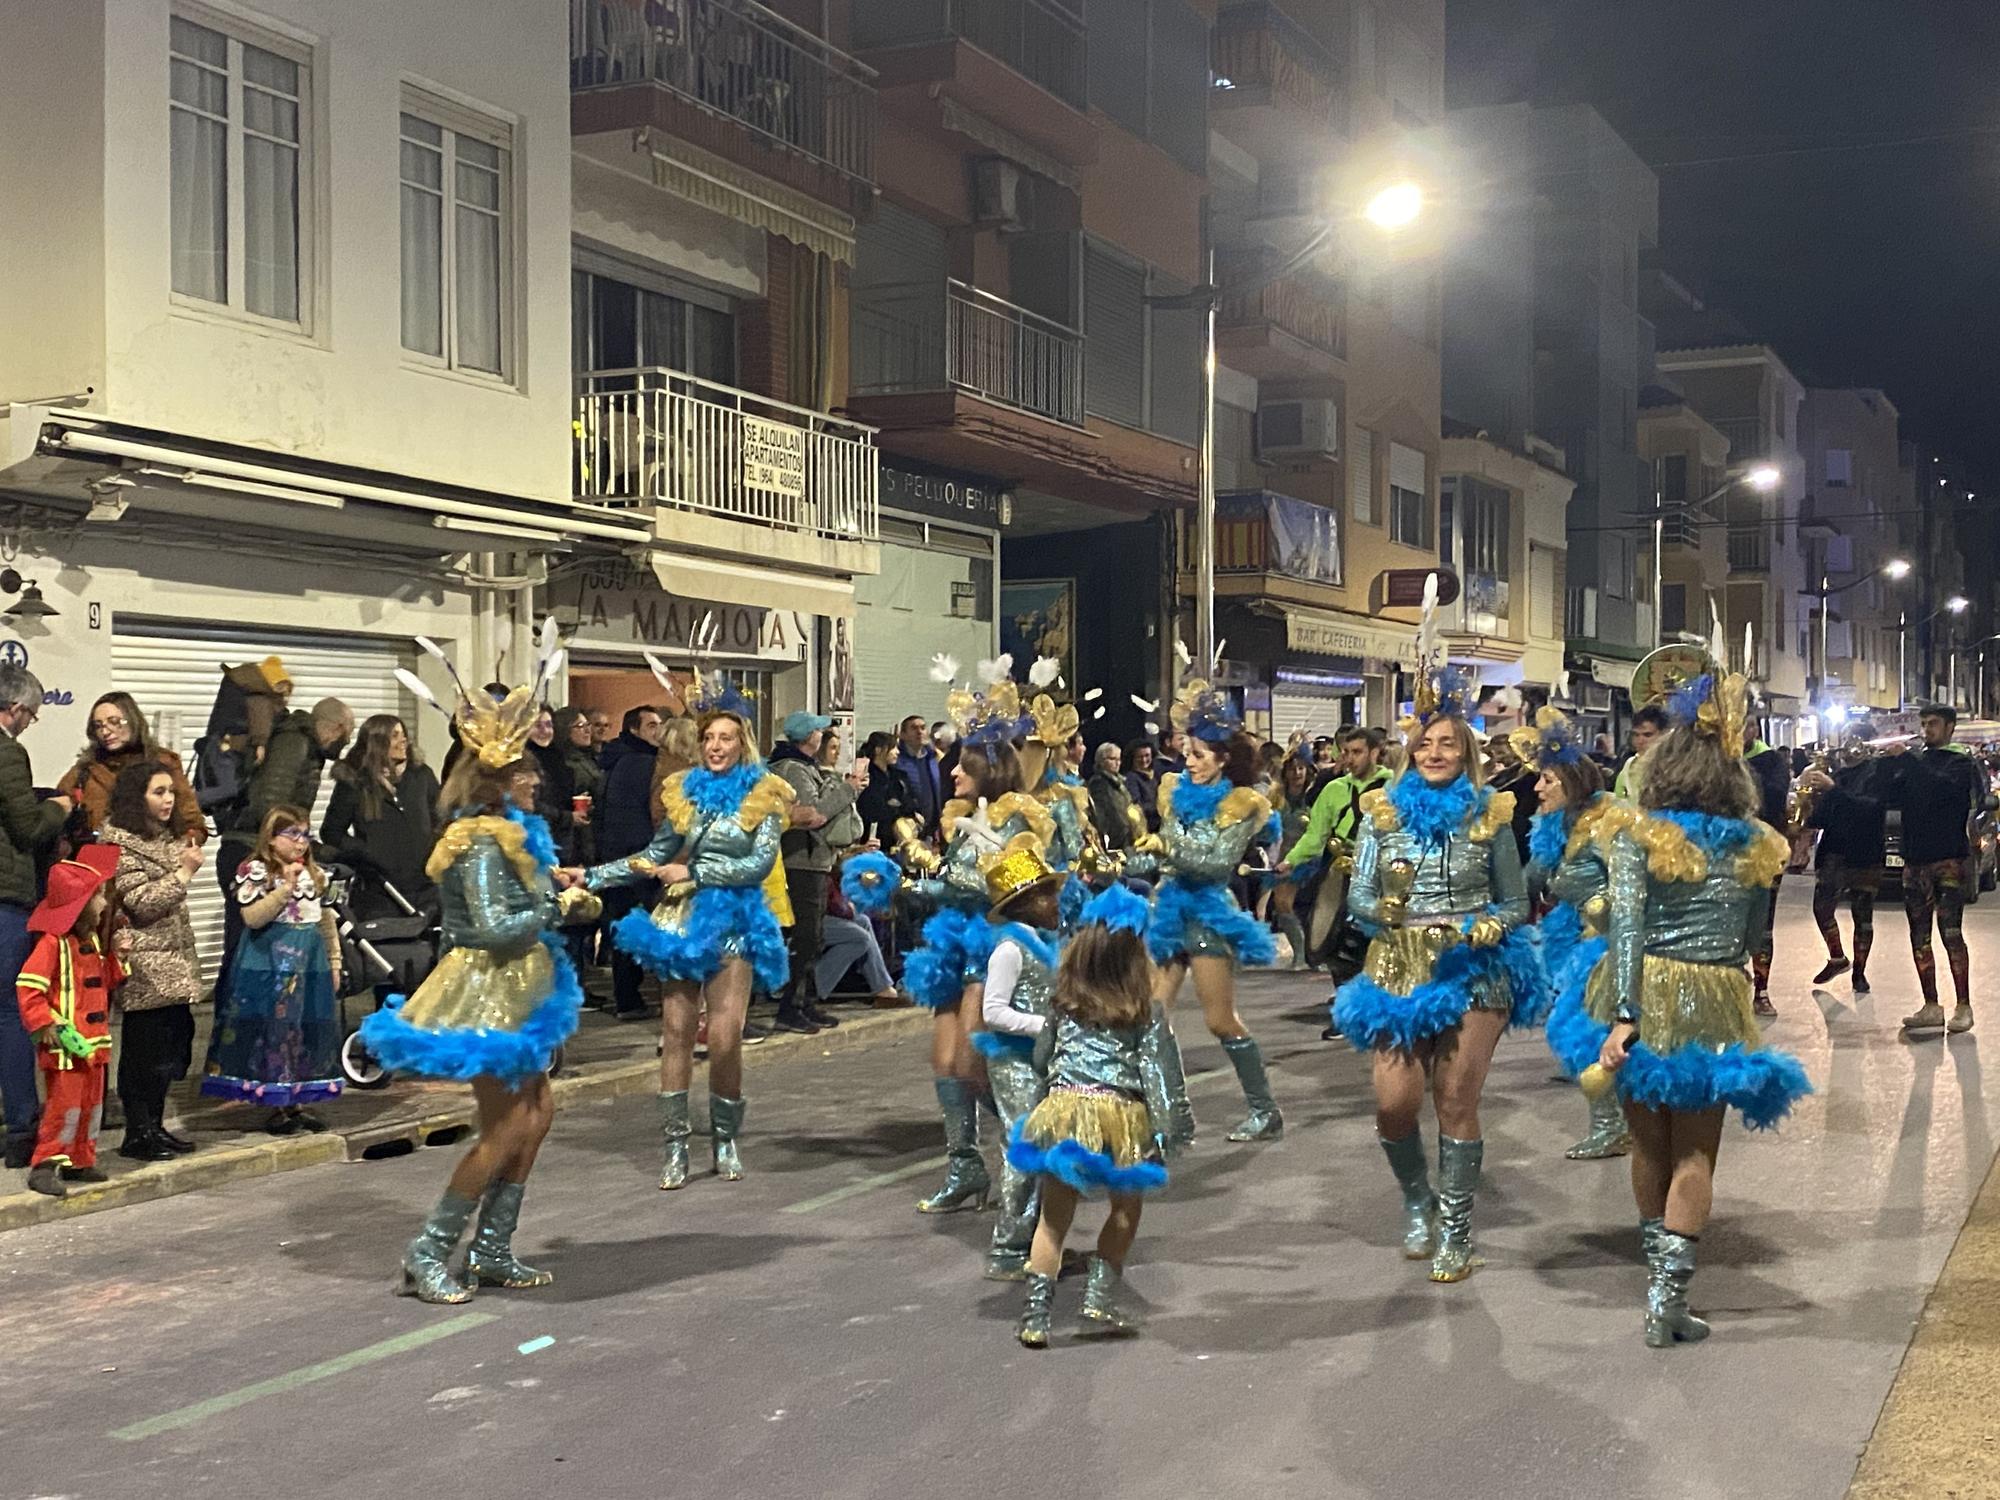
pixel 774 456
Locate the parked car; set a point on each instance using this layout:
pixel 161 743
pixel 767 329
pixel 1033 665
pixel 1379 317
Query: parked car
pixel 1983 873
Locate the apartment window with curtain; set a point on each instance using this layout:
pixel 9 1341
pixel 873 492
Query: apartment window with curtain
pixel 1409 497
pixel 239 169
pixel 618 325
pixel 457 237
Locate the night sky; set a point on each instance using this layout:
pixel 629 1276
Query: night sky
pixel 1862 264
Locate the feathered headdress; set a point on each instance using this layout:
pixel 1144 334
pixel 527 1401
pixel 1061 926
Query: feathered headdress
pixel 1715 707
pixel 1549 742
pixel 1204 711
pixel 1055 723
pixel 990 715
pixel 495 732
pixel 1444 690
pixel 714 692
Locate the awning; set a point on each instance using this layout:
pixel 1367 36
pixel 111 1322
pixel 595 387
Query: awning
pixel 759 588
pixel 706 180
pixel 1323 633
pixel 1612 672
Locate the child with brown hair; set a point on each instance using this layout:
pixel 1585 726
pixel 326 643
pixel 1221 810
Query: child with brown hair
pixel 277 1036
pixel 1105 1123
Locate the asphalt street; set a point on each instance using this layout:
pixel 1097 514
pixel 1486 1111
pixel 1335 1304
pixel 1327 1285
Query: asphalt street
pixel 806 1334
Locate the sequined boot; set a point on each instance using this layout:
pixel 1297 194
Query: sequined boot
pixel 1263 1123
pixel 1015 1091
pixel 1294 934
pixel 1033 1330
pixel 1173 1072
pixel 1100 1298
pixel 674 1131
pixel 491 1261
pixel 1649 1238
pixel 966 1184
pixel 1608 1133
pixel 725 1123
pixel 1458 1179
pixel 426 1271
pixel 1420 1205
pixel 1668 1321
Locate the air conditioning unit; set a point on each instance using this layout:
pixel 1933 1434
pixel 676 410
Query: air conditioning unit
pixel 999 195
pixel 1293 429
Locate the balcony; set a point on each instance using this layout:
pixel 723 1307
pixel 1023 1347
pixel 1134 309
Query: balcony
pixel 1292 328
pixel 1278 92
pixel 1749 550
pixel 1263 532
pixel 735 79
pixel 962 378
pixel 1746 437
pixel 1016 63
pixel 770 476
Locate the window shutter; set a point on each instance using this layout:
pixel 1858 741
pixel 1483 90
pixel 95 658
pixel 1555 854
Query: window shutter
pixel 1407 470
pixel 1114 326
pixel 1361 476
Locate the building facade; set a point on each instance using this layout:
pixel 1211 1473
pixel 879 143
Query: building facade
pixel 1859 612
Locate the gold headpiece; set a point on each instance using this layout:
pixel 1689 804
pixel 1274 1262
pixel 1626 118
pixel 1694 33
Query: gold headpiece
pixel 1549 742
pixel 1017 869
pixel 992 716
pixel 497 733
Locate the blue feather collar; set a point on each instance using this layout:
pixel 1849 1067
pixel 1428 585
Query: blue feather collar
pixel 539 841
pixel 714 796
pixel 1548 837
pixel 1033 941
pixel 1435 813
pixel 1194 803
pixel 1716 837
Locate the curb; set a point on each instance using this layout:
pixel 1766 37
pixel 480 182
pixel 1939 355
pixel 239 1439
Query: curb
pixel 436 1126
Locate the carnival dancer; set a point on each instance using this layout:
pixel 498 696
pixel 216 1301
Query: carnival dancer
pixel 713 933
pixel 1566 870
pixel 1106 1122
pixel 1025 895
pixel 1690 869
pixel 503 997
pixel 1210 814
pixel 988 811
pixel 1438 874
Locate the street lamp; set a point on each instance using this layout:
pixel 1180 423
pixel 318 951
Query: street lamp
pixel 1390 210
pixel 1957 604
pixel 1762 478
pixel 1894 568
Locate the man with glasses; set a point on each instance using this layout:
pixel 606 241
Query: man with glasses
pixel 26 827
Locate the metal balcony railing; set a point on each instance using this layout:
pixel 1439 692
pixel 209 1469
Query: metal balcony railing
pixel 736 59
pixel 1301 305
pixel 657 437
pixel 1042 40
pixel 921 336
pixel 1749 550
pixel 1256 45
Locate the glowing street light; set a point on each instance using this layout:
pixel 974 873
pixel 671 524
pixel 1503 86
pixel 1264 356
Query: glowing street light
pixel 1395 206
pixel 1896 567
pixel 1764 478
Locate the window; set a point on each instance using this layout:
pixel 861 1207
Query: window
pixel 238 170
pixel 1409 497
pixel 1149 71
pixel 1361 477
pixel 1673 613
pixel 1839 467
pixel 615 325
pixel 457 237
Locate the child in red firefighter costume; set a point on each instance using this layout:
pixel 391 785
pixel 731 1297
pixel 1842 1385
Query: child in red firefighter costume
pixel 65 996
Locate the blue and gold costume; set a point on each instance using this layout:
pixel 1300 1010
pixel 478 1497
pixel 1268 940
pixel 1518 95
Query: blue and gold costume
pixel 957 940
pixel 1566 867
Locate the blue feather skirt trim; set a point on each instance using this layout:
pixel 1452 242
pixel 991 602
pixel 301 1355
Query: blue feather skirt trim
pixel 465 1053
pixel 1508 974
pixel 1094 1140
pixel 1760 1082
pixel 1570 957
pixel 720 922
pixel 870 882
pixel 955 947
pixel 995 1045
pixel 1191 919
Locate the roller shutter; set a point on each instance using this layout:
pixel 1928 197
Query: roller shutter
pixel 902 616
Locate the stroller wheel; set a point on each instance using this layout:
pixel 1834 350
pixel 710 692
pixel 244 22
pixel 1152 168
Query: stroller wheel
pixel 358 1064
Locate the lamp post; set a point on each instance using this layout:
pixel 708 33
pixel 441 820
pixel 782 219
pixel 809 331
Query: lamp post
pixel 1895 567
pixel 1762 478
pixel 1957 604
pixel 1389 211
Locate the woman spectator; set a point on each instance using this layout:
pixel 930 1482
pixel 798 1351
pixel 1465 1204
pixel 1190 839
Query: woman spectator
pixel 1142 780
pixel 382 819
pixel 156 860
pixel 1292 802
pixel 1111 798
pixel 555 801
pixel 120 737
pixel 888 798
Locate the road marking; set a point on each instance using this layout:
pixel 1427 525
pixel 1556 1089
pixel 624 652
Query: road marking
pixel 534 1346
pixel 402 1343
pixel 917 1169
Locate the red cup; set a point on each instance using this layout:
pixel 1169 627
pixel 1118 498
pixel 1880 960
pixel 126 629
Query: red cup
pixel 579 805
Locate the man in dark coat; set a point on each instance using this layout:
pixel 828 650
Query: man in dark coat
pixel 624 827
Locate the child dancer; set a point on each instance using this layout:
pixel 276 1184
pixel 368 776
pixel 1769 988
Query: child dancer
pixel 1106 1121
pixel 64 992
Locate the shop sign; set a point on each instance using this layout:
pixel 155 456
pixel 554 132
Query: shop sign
pixel 947 497
pixel 1403 588
pixel 1324 637
pixel 774 456
pixel 619 604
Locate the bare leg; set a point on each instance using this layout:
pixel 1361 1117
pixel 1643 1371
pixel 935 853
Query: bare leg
pixel 1167 982
pixel 1652 1160
pixel 1058 1211
pixel 1215 987
pixel 728 996
pixel 505 1123
pixel 1459 1075
pixel 537 1103
pixel 680 1019
pixel 1121 1227
pixel 1694 1141
pixel 1399 1090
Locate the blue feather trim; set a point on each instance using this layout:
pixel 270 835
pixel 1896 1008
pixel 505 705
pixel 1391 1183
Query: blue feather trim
pixel 1002 1044
pixel 1369 1016
pixel 871 897
pixel 1527 981
pixel 465 1053
pixel 1760 1083
pixel 1716 837
pixel 1069 906
pixel 1038 945
pixel 1548 837
pixel 1179 905
pixel 1082 1169
pixel 713 795
pixel 1574 1037
pixel 1118 908
pixel 1194 803
pixel 539 841
pixel 1432 814
pixel 955 947
pixel 723 921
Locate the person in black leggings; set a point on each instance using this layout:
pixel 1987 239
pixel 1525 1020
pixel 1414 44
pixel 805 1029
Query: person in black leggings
pixel 1937 787
pixel 1848 811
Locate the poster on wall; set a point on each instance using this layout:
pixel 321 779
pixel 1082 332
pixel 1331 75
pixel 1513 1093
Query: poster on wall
pixel 1038 618
pixel 836 665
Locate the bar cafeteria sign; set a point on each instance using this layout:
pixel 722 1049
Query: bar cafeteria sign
pixel 774 456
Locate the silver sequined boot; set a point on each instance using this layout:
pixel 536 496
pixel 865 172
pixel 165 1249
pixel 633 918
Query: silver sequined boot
pixel 491 1260
pixel 674 1131
pixel 965 1184
pixel 725 1123
pixel 1263 1123
pixel 1100 1299
pixel 1033 1329
pixel 1668 1321
pixel 1420 1205
pixel 1608 1133
pixel 1180 1130
pixel 426 1263
pixel 1458 1179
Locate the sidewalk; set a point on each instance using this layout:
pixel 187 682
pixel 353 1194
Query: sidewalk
pixel 604 1059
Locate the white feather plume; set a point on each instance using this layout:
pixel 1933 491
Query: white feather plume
pixel 417 689
pixel 944 668
pixel 1093 695
pixel 1151 727
pixel 1562 686
pixel 662 674
pixel 1181 652
pixel 999 669
pixel 1098 715
pixel 1045 671
pixel 1218 652
pixel 432 648
pixel 1427 631
pixel 1143 706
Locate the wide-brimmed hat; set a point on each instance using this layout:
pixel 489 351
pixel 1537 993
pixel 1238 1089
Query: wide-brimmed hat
pixel 1016 875
pixel 72 882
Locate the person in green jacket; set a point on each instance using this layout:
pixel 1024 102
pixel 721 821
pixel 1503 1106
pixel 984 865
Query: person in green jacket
pixel 1648 724
pixel 1336 818
pixel 26 826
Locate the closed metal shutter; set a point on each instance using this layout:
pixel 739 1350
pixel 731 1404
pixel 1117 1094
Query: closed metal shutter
pixel 173 670
pixel 1294 709
pixel 898 303
pixel 1114 328
pixel 902 616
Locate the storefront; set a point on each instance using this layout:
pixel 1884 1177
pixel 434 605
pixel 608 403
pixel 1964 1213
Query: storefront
pixel 1316 670
pixel 936 592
